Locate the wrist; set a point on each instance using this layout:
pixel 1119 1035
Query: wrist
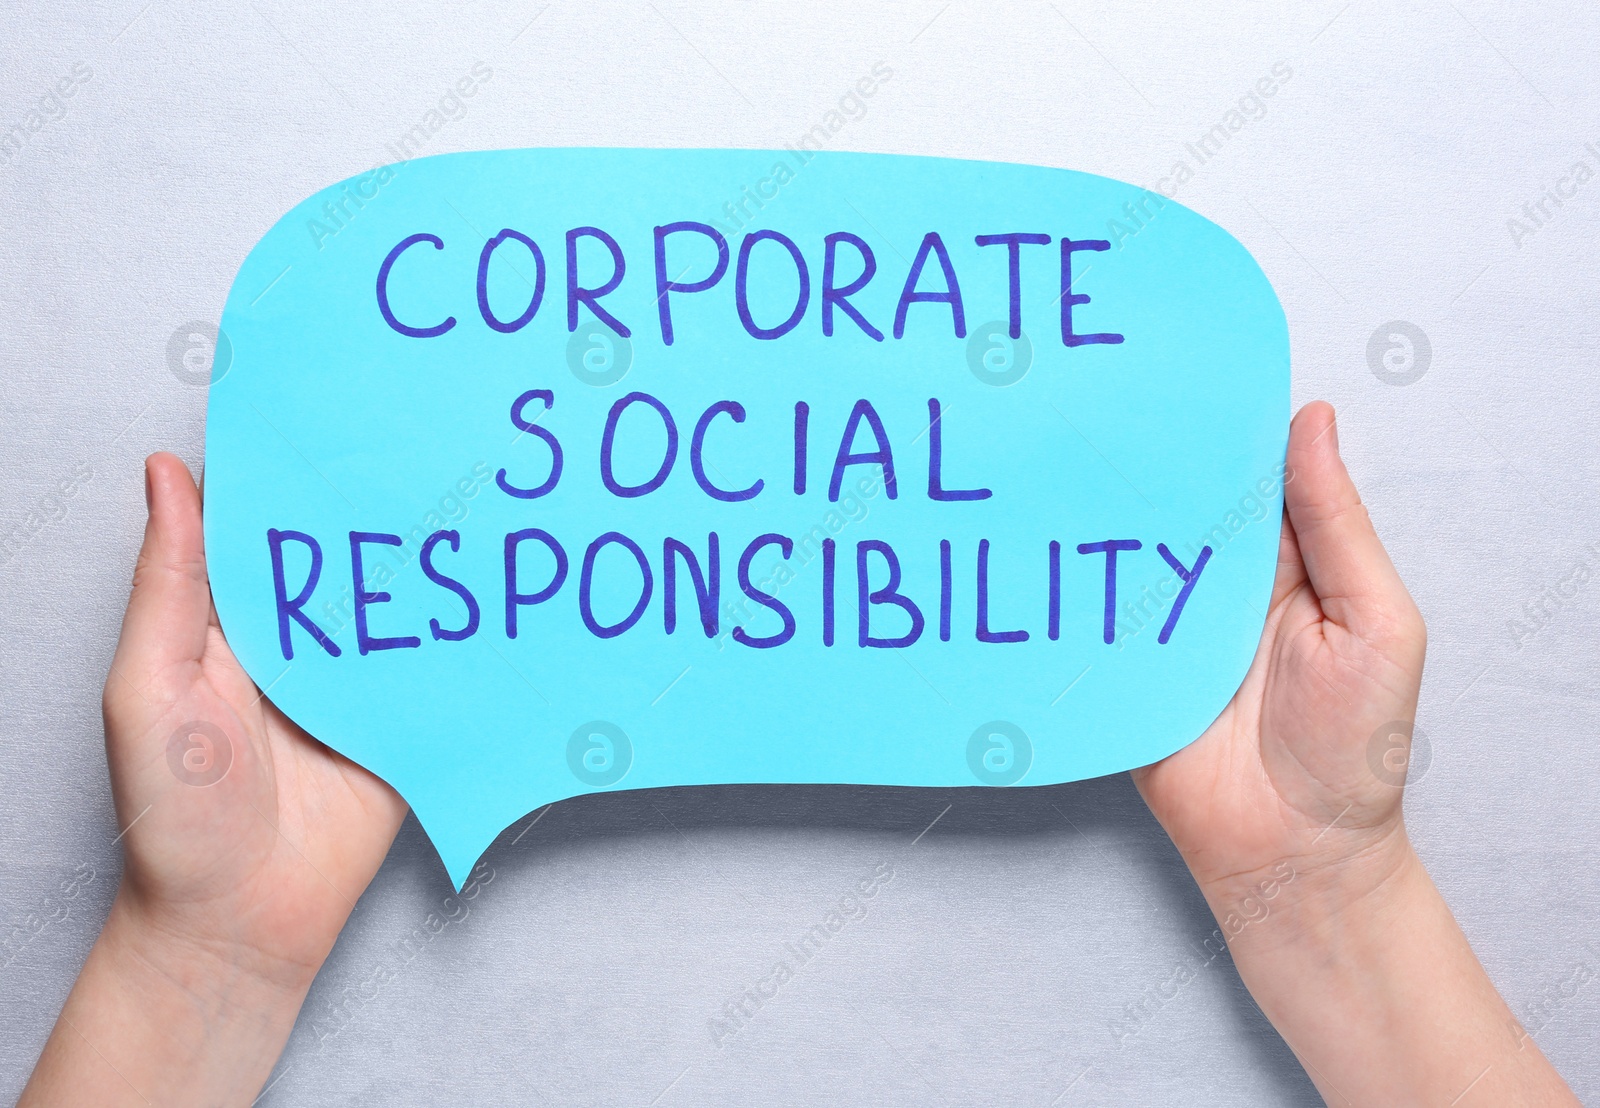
pixel 1302 899
pixel 1360 966
pixel 159 1017
pixel 166 948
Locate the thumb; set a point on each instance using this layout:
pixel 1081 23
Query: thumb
pixel 170 606
pixel 1355 582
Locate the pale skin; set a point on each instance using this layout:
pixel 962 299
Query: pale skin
pixel 233 892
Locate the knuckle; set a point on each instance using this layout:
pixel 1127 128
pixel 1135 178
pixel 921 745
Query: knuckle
pixel 151 567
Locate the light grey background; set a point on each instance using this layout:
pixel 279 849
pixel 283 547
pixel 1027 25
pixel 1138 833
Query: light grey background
pixel 996 965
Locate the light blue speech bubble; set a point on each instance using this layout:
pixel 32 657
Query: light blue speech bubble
pixel 544 472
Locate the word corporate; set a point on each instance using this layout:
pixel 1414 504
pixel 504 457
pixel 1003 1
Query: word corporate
pixel 783 262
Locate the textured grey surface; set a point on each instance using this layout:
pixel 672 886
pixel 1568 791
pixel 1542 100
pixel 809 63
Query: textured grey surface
pixel 999 963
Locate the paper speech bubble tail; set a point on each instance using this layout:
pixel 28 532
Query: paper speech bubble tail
pixel 468 805
pixel 461 830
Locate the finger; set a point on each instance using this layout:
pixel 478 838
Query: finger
pixel 169 608
pixel 1291 568
pixel 1345 561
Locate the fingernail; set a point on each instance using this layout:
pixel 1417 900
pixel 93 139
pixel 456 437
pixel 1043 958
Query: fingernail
pixel 147 486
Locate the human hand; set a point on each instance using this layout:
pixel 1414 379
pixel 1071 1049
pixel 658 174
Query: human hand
pixel 244 834
pixel 245 844
pixel 1288 813
pixel 1285 776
